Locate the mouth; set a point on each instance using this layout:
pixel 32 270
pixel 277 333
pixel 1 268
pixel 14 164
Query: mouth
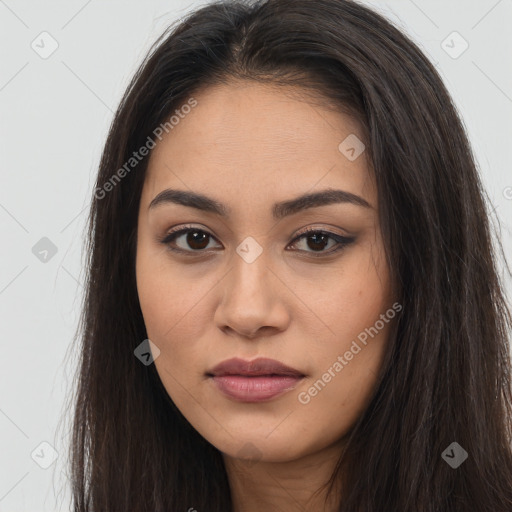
pixel 254 381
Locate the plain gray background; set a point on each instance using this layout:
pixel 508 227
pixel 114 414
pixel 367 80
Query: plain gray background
pixel 55 113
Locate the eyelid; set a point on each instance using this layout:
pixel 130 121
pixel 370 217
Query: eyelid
pixel 319 228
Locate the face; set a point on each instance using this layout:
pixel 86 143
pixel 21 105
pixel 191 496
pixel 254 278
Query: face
pixel 304 283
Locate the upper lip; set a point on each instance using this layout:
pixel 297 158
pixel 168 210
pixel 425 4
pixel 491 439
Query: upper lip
pixel 260 366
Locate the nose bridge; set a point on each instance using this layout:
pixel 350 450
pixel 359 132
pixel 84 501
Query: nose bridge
pixel 249 276
pixel 250 300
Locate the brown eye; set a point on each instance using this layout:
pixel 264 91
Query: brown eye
pixel 316 241
pixel 188 240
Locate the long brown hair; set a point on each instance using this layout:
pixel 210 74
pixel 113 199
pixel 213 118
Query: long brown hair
pixel 447 374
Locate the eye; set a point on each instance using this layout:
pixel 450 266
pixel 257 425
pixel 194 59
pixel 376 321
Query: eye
pixel 188 239
pixel 317 240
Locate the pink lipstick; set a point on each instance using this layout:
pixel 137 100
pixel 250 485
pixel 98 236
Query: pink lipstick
pixel 254 381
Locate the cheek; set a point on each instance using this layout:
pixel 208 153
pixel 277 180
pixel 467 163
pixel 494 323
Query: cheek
pixel 347 368
pixel 175 307
pixel 169 295
pixel 172 324
pixel 351 298
pixel 348 358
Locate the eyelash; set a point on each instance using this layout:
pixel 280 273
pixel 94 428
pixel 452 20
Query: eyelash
pixel 341 240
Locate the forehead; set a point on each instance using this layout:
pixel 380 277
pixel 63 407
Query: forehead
pixel 259 140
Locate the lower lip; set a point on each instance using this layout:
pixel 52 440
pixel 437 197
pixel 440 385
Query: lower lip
pixel 254 389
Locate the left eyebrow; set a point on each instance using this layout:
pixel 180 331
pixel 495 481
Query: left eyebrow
pixel 279 210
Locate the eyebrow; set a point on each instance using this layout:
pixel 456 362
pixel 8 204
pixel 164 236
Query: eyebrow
pixel 279 210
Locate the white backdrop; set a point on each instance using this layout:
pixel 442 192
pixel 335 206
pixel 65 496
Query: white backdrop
pixel 64 67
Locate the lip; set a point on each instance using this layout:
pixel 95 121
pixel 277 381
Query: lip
pixel 254 381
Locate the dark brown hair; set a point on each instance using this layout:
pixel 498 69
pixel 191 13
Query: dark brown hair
pixel 446 376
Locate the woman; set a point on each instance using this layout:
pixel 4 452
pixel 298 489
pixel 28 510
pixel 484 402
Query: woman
pixel 292 300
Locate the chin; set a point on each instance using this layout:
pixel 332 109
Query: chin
pixel 253 448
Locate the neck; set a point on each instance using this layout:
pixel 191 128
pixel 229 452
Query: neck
pixel 286 486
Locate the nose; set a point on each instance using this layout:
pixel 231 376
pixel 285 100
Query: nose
pixel 253 300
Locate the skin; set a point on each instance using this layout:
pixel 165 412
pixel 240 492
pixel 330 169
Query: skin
pixel 249 145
